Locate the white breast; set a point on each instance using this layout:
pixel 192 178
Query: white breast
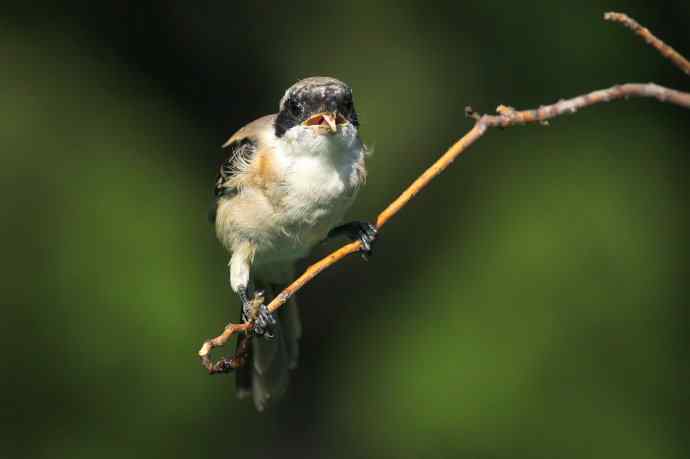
pixel 320 177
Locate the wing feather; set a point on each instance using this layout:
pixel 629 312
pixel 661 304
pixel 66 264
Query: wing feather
pixel 243 146
pixel 242 152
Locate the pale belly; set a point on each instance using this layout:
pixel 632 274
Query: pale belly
pixel 319 178
pixel 306 224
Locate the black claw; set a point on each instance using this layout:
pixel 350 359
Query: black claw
pixel 367 235
pixel 264 321
pixel 358 231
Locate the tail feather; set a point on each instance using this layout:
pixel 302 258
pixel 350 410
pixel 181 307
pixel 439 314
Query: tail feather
pixel 243 375
pixel 288 316
pixel 266 373
pixel 270 369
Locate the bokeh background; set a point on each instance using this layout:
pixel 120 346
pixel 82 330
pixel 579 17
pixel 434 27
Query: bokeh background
pixel 532 303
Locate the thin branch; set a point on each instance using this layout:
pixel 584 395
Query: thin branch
pixel 225 365
pixel 506 117
pixel 665 50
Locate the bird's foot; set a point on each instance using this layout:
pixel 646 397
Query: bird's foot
pixel 367 235
pixel 264 323
pixel 255 310
pixel 358 231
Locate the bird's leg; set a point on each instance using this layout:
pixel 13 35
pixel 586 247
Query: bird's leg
pixel 246 304
pixel 358 231
pixel 255 310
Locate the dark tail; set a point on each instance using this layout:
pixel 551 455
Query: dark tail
pixel 265 375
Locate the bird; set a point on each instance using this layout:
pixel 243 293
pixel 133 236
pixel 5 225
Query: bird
pixel 284 188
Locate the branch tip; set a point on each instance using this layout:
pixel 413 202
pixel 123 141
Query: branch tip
pixel 470 113
pixel 665 50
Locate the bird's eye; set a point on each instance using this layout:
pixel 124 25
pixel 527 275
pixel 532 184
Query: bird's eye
pixel 294 107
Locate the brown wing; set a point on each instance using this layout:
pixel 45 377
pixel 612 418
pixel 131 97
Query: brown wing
pixel 243 146
pixel 242 152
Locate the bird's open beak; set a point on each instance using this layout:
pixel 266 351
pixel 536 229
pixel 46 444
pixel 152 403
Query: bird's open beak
pixel 329 120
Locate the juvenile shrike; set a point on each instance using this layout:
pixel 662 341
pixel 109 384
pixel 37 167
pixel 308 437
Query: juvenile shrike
pixel 286 184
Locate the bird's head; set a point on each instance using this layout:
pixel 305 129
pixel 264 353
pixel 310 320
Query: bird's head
pixel 322 105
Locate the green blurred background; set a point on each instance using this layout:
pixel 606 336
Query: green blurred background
pixel 531 303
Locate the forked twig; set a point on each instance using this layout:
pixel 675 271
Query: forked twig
pixel 506 117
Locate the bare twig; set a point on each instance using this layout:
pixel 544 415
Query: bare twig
pixel 665 50
pixel 224 365
pixel 506 117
